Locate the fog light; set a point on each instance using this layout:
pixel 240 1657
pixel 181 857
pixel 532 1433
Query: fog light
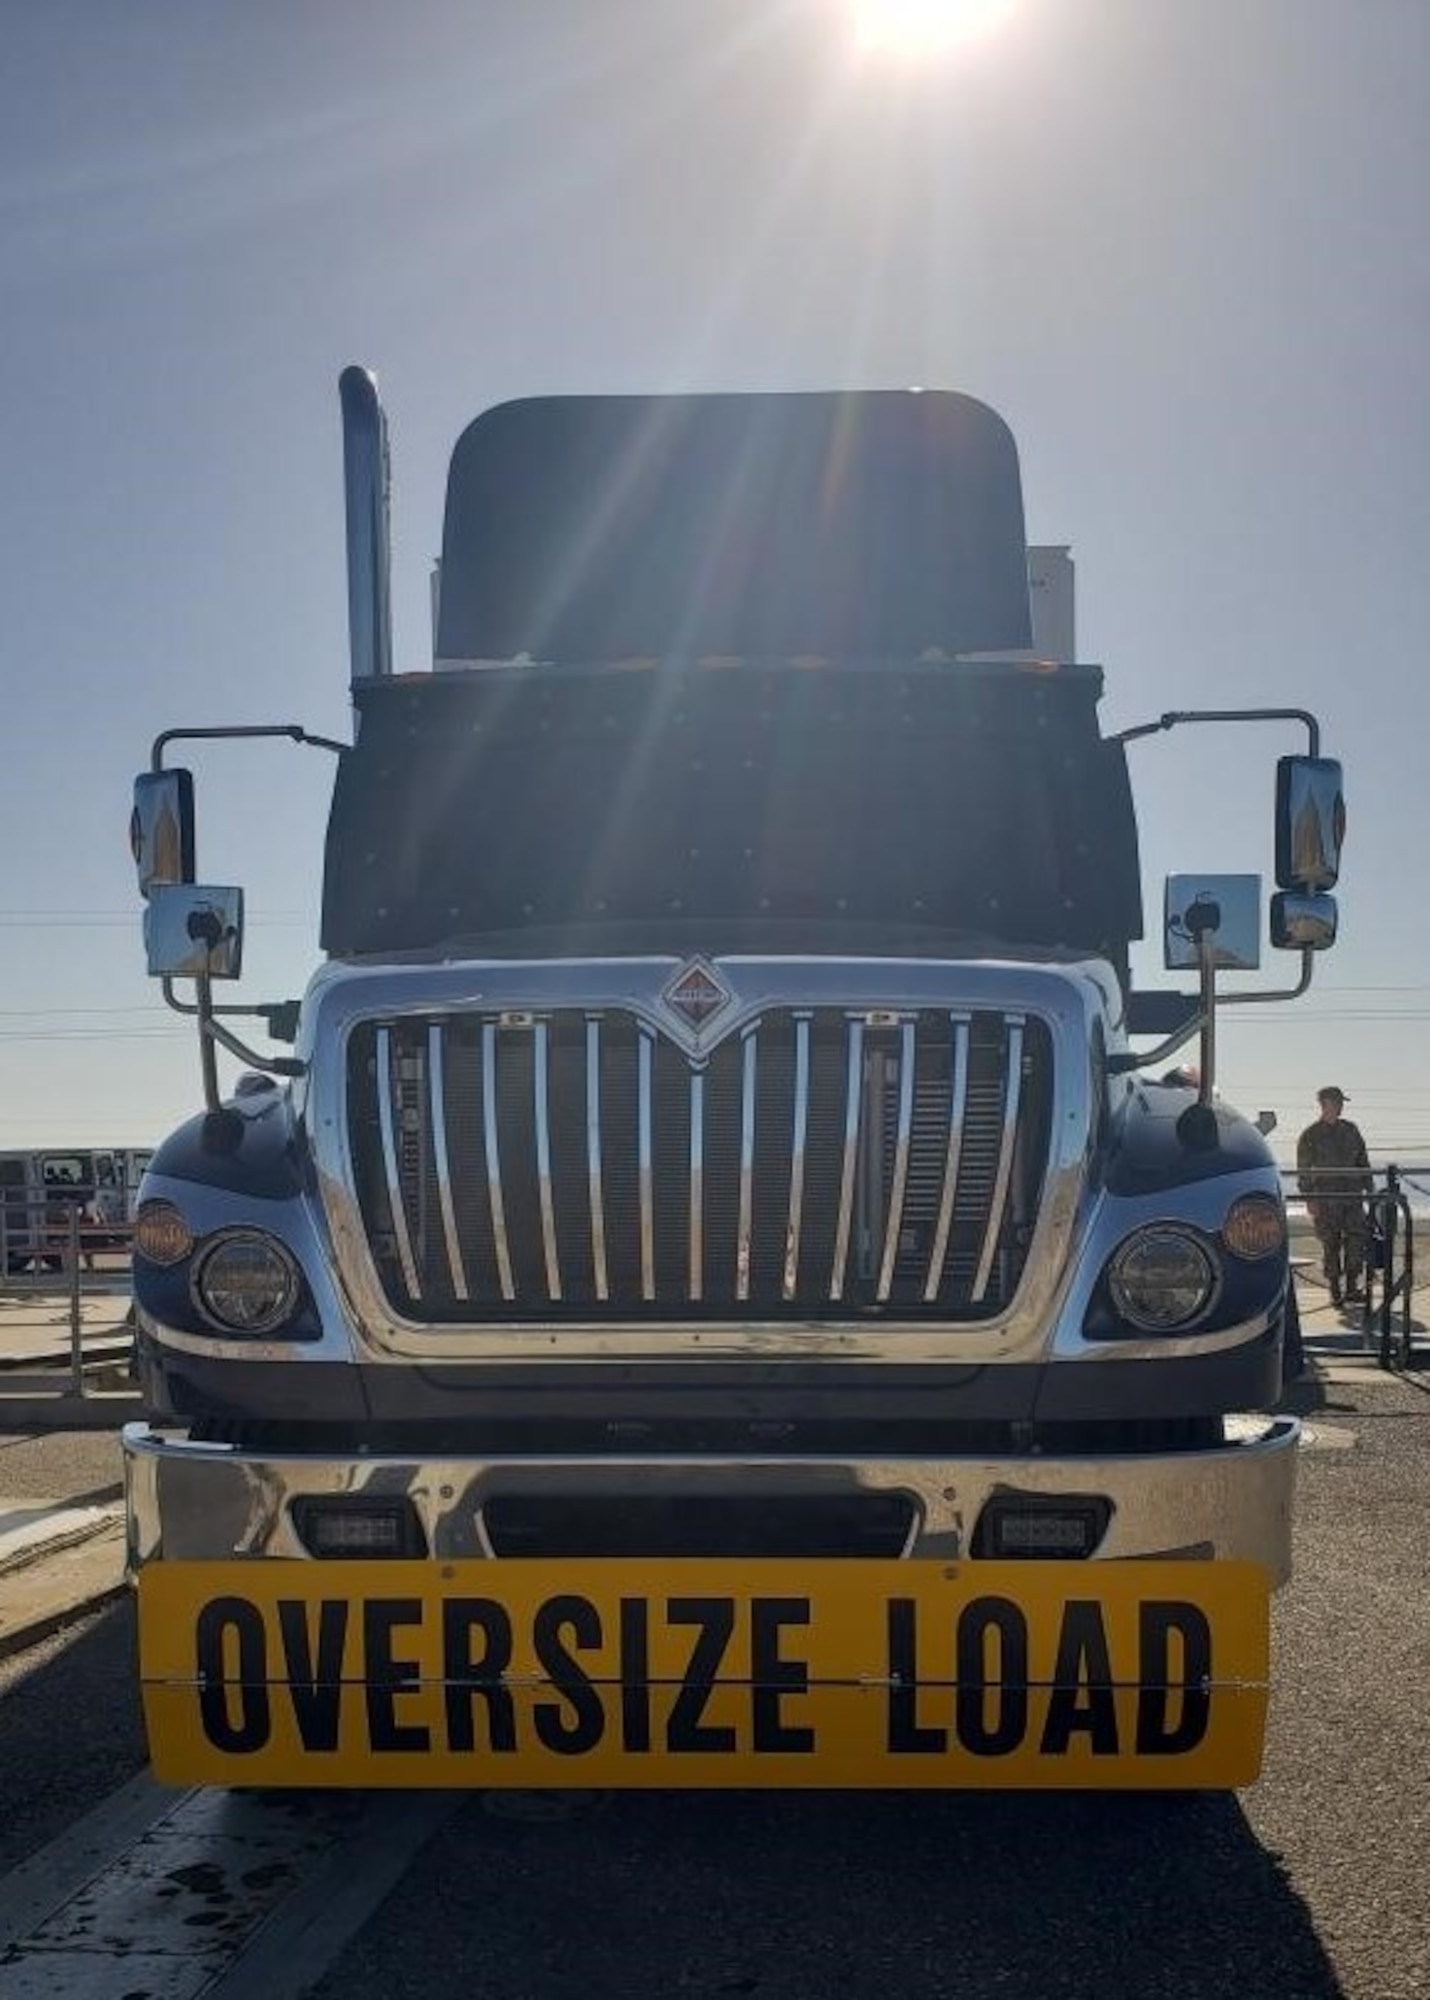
pixel 359 1526
pixel 1033 1530
pixel 1255 1227
pixel 245 1282
pixel 161 1233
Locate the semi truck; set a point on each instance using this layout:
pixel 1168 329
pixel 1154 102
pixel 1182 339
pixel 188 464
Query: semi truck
pixel 714 1284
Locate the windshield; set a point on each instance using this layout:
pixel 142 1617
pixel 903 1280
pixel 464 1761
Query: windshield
pixel 931 802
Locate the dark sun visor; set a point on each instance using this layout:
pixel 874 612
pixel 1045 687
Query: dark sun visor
pixel 887 524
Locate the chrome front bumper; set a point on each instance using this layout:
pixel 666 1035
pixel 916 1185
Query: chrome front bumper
pixel 210 1502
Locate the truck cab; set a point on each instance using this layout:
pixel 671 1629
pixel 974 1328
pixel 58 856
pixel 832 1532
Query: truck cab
pixel 714 1134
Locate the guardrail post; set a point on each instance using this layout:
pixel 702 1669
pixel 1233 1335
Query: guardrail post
pixel 72 1249
pixel 1394 1225
pixel 1387 1216
pixel 1407 1323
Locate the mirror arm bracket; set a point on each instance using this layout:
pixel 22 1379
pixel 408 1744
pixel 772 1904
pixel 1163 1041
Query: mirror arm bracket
pixel 1132 1059
pixel 1174 717
pixel 208 1059
pixel 213 1031
pixel 293 731
pixel 171 999
pixel 1124 1061
pixel 1308 960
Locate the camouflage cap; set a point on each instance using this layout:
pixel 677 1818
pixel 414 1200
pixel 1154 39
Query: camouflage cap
pixel 1332 1090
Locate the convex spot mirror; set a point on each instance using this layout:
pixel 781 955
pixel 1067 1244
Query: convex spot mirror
pixel 1310 822
pixel 1303 921
pixel 1226 908
pixel 194 931
pixel 161 829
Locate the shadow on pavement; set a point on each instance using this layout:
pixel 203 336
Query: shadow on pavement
pixel 70 1728
pixel 850 1897
pixel 1303 1397
pixel 818 1897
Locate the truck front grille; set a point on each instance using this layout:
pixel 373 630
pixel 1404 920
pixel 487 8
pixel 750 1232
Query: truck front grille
pixel 819 1163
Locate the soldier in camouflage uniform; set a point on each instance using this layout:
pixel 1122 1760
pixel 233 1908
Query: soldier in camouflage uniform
pixel 1333 1172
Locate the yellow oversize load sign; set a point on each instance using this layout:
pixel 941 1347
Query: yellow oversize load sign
pixel 705 1673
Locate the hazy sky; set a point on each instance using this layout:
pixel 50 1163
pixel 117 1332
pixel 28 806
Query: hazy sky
pixel 1181 245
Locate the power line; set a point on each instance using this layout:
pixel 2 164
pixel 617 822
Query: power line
pixel 1411 1016
pixel 47 920
pixel 52 1013
pixel 90 1034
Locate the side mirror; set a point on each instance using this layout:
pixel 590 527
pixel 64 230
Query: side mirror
pixel 1266 1123
pixel 1225 907
pixel 194 931
pixel 1303 921
pixel 1310 822
pixel 161 829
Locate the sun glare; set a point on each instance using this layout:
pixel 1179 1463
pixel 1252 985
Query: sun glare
pixel 918 28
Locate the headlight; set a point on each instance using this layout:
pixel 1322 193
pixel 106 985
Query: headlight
pixel 161 1233
pixel 1162 1278
pixel 1255 1227
pixel 245 1282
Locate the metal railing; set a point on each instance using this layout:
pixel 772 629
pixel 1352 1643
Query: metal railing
pixel 1390 1270
pixel 1387 1322
pixel 54 1246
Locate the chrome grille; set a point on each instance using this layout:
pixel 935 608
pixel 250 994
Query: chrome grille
pixel 818 1162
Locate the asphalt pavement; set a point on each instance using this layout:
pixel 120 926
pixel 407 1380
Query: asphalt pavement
pixel 1312 1883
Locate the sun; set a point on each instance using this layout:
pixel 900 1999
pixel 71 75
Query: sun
pixel 920 28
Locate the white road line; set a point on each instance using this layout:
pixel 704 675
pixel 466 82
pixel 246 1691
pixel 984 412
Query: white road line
pixel 174 1895
pixel 49 1878
pixel 304 1935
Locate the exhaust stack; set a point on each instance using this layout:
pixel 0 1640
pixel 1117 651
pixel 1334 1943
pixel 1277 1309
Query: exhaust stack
pixel 365 475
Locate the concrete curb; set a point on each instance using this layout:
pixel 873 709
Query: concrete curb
pixel 42 1596
pixel 19 1638
pixel 28 1408
pixel 53 1357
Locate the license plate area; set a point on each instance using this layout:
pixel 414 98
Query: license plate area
pixel 583 1525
